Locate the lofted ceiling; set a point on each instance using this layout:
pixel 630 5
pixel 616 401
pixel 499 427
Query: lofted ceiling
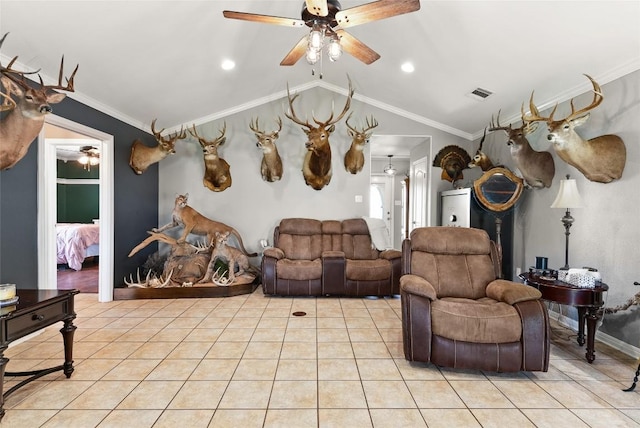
pixel 141 60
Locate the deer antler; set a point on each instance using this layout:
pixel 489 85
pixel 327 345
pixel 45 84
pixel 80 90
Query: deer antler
pixel 7 103
pixel 204 142
pixel 69 86
pixel 7 70
pixel 535 114
pixel 496 126
pixel 169 139
pixel 347 104
pixel 369 127
pixel 293 115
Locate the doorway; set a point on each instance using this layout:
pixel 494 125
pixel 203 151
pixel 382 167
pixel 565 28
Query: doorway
pixel 48 207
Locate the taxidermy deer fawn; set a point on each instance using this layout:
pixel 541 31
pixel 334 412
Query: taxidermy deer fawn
pixel 481 159
pixel 354 158
pixel 600 159
pixel 217 172
pixel 316 167
pixel 142 157
pixel 271 166
pixel 25 113
pixel 537 168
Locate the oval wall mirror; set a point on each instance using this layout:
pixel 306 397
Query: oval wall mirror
pixel 498 189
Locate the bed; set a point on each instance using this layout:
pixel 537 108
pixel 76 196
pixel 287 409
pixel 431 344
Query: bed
pixel 75 242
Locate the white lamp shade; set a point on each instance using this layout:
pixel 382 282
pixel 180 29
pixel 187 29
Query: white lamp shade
pixel 568 196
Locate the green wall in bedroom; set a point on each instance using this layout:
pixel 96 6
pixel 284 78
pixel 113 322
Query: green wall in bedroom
pixel 77 203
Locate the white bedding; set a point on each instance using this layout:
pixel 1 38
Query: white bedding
pixel 73 241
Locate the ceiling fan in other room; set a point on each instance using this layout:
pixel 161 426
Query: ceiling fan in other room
pixel 328 21
pixel 89 156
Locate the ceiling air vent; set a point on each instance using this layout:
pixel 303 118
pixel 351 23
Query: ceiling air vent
pixel 480 94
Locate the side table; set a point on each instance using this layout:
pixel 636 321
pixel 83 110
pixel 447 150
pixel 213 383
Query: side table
pixel 587 301
pixel 36 309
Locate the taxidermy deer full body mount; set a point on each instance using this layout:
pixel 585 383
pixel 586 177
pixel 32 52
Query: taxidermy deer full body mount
pixel 316 167
pixel 600 159
pixel 537 168
pixel 271 165
pixel 217 172
pixel 354 158
pixel 142 157
pixel 26 109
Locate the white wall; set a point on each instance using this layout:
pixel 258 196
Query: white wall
pixel 253 206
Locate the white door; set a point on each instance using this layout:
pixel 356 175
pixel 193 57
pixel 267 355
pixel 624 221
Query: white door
pixel 380 200
pixel 47 207
pixel 419 194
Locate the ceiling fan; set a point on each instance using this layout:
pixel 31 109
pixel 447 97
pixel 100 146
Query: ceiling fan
pixel 89 156
pixel 327 20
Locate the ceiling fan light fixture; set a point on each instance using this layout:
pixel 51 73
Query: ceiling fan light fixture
pixel 389 169
pixel 312 55
pixel 84 159
pixel 334 51
pixel 316 36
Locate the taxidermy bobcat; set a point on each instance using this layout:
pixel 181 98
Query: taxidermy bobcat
pixel 194 222
pixel 231 254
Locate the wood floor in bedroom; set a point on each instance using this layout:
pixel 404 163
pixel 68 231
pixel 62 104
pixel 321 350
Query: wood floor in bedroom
pixel 85 280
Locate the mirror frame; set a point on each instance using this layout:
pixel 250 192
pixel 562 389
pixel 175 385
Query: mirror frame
pixel 498 207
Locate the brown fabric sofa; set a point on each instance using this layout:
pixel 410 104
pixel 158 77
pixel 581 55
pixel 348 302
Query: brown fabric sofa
pixel 456 313
pixel 315 258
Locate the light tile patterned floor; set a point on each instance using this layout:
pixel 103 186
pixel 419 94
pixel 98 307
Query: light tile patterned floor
pixel 246 361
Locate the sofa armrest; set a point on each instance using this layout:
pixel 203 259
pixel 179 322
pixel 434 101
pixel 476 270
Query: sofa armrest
pixel 414 284
pixel 511 292
pixel 274 252
pixel 390 254
pixel 333 272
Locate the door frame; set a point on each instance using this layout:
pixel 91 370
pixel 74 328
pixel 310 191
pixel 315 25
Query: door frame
pixel 47 207
pixel 426 174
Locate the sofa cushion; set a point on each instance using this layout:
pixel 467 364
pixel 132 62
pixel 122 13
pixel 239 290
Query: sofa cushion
pixel 300 238
pixel 368 270
pixel 301 270
pixel 331 235
pixel 479 321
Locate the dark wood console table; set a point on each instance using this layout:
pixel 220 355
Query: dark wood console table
pixel 587 301
pixel 36 309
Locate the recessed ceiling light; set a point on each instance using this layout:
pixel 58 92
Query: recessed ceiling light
pixel 407 67
pixel 227 64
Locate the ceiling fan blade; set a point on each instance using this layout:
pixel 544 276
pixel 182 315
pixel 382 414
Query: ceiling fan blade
pixel 296 53
pixel 265 19
pixel 317 7
pixel 356 48
pixel 375 11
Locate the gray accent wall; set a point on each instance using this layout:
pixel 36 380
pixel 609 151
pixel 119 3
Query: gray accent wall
pixel 135 201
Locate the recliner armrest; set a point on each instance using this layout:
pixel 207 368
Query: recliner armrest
pixel 274 252
pixel 511 292
pixel 333 255
pixel 414 284
pixel 390 254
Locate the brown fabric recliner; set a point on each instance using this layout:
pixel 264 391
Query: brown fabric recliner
pixel 456 313
pixel 314 258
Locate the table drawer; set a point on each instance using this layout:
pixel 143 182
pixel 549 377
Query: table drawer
pixel 35 320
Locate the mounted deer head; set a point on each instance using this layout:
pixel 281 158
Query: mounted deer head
pixel 354 158
pixel 600 159
pixel 316 167
pixel 217 172
pixel 26 108
pixel 481 159
pixel 142 157
pixel 271 166
pixel 537 168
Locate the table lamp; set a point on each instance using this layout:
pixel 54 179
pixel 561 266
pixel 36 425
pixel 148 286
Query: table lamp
pixel 568 197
